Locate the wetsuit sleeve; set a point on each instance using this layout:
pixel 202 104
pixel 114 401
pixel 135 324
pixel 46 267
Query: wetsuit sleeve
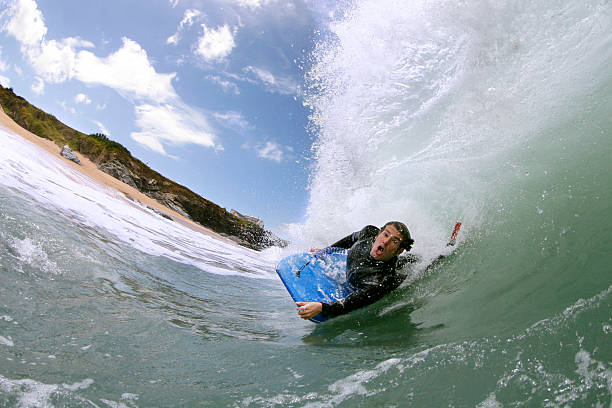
pixel 350 240
pixel 363 296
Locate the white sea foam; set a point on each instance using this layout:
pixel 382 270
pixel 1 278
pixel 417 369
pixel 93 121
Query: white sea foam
pixel 29 393
pixel 490 402
pixel 6 341
pixel 33 394
pixel 81 385
pixel 32 253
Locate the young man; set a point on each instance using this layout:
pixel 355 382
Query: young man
pixel 371 267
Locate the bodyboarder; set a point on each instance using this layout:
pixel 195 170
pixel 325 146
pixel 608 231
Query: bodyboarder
pixel 371 268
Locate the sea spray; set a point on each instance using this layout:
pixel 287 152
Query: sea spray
pixel 419 109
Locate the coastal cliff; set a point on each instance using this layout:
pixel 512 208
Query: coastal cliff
pixel 115 160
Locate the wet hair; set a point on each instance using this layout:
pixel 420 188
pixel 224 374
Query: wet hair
pixel 407 240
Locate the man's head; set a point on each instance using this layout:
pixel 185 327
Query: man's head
pixel 391 241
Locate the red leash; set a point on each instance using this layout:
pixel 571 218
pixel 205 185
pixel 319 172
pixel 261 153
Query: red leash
pixel 453 237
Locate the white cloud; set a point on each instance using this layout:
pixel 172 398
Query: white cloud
pixel 270 151
pixel 76 42
pixel 150 142
pixel 226 85
pixel 101 128
pixel 173 39
pixel 53 61
pixel 26 23
pixel 187 21
pixel 5 82
pixel 175 124
pixel 215 45
pixel 174 3
pixel 252 4
pixel 233 120
pixel 82 98
pixel 161 117
pixel 283 85
pixel 128 71
pixel 4 66
pixel 38 87
pixel 264 75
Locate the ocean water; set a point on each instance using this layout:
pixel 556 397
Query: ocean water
pixel 497 114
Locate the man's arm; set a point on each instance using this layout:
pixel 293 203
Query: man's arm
pixel 361 297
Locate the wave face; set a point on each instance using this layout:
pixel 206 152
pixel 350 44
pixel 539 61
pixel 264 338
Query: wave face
pixel 496 114
pixel 436 111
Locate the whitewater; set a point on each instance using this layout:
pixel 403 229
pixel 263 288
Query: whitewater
pixel 495 114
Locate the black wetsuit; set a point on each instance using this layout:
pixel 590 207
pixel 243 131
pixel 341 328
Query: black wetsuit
pixel 371 278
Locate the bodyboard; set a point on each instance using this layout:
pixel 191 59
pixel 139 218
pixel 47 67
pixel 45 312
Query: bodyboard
pixel 319 277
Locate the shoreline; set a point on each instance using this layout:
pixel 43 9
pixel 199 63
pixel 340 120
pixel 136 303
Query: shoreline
pixel 89 169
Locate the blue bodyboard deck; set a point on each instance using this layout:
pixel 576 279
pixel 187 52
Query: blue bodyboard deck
pixel 319 277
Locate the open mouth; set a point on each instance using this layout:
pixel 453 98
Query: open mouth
pixel 380 250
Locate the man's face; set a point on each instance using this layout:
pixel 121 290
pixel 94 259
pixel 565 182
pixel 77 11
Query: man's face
pixel 386 245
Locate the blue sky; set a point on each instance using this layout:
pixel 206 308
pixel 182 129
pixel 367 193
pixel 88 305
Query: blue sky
pixel 208 93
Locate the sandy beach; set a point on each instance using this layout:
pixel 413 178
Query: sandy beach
pixel 88 168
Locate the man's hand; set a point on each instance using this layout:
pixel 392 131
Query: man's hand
pixel 315 249
pixel 308 310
